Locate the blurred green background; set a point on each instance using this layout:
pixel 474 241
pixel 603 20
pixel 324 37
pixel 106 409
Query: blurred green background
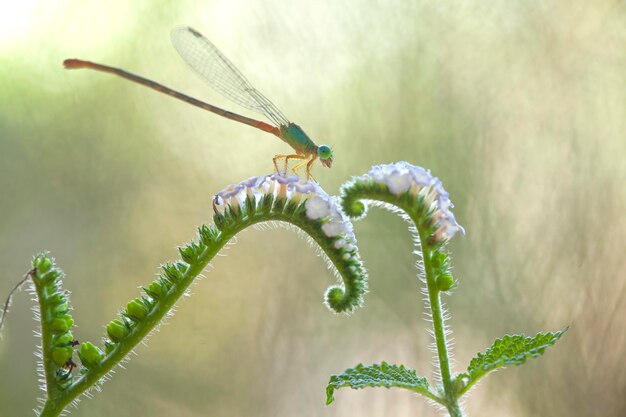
pixel 519 107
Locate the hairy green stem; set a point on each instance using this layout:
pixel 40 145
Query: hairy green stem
pixel 51 408
pixel 367 193
pixel 449 396
pixel 57 400
pixel 434 298
pixel 137 335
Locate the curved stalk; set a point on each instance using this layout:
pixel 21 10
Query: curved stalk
pixel 307 208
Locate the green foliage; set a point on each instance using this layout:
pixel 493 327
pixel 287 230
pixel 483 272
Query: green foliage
pixel 383 375
pixel 509 350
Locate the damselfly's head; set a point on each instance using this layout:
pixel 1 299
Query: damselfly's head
pixel 325 154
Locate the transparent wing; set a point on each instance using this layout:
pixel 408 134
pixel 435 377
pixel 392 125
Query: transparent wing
pixel 208 62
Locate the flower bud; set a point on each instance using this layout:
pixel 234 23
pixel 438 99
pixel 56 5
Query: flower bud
pixel 136 309
pixel 43 264
pixel 90 355
pixel 155 290
pixel 445 282
pixel 60 308
pixel 439 259
pixel 62 323
pixel 64 339
pixel 116 330
pixel 208 235
pixel 50 276
pixel 60 355
pixel 57 298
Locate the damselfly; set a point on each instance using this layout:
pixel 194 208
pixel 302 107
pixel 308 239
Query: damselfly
pixel 211 65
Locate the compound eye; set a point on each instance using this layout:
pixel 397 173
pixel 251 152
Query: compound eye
pixel 324 152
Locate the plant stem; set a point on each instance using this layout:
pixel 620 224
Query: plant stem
pixel 58 399
pixel 439 330
pixel 51 407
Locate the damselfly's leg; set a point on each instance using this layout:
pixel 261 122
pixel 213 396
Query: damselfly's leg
pixel 309 165
pixel 277 157
pixel 294 156
pixel 295 169
pixel 274 160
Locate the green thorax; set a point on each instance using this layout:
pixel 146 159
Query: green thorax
pixel 297 139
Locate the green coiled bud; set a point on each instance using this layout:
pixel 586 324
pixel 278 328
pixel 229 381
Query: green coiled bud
pixel 116 330
pixel 43 264
pixel 57 298
pixel 62 323
pixel 191 252
pixel 61 308
pixel 174 272
pixel 90 355
pixel 64 340
pixel 60 355
pixel 439 259
pixel 208 235
pixel 50 276
pixel 136 309
pixel 445 282
pixel 155 290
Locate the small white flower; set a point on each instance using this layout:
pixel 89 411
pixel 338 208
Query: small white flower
pixel 291 179
pixel 318 204
pixel 317 208
pixel 230 191
pixel 305 187
pixel 398 183
pixel 421 176
pixel 252 182
pixel 400 177
pixel 340 243
pixel 240 197
pixel 334 228
pixel 265 185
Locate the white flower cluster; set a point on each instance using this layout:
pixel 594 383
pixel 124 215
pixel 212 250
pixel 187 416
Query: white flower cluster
pixel 318 204
pixel 401 177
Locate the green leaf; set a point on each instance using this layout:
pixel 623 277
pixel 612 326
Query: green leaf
pixel 509 350
pixel 383 375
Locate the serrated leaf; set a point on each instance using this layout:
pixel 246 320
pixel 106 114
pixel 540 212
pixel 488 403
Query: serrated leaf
pixel 509 350
pixel 383 375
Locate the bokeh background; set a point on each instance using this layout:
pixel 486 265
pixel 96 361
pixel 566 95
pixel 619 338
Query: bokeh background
pixel 519 107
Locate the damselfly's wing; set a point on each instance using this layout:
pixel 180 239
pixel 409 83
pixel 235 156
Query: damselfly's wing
pixel 208 62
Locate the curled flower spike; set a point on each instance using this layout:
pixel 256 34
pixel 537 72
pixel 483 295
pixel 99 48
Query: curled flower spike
pixel 271 198
pixel 283 191
pixel 306 205
pixel 411 188
pixel 418 197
